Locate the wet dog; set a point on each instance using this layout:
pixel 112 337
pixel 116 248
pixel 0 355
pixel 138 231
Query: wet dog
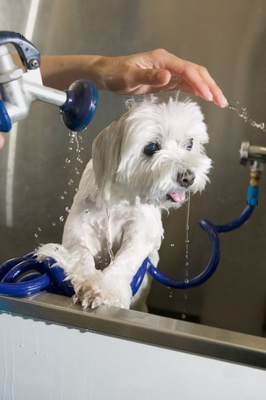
pixel 142 164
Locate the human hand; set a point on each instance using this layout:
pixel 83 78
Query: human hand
pixel 155 71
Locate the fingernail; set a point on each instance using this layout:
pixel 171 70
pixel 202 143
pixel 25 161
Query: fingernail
pixel 224 102
pixel 209 95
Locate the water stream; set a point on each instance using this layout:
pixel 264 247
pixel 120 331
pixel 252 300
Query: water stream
pixel 242 113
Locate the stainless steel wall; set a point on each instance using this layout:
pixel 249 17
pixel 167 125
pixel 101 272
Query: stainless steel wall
pixel 229 38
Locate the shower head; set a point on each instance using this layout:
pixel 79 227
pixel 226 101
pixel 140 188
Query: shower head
pixel 19 89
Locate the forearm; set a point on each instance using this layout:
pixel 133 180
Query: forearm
pixel 60 71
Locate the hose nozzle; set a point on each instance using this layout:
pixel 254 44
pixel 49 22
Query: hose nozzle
pixel 80 106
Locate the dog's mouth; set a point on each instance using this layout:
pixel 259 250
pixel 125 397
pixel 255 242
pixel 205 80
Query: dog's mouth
pixel 176 197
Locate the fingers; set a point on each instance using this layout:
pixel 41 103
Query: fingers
pixel 131 79
pixel 203 84
pixel 150 79
pixel 217 94
pixel 187 76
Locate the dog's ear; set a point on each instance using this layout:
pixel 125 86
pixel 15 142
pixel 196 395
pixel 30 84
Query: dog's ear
pixel 106 158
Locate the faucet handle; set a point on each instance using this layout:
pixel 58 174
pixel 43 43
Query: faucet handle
pixel 30 56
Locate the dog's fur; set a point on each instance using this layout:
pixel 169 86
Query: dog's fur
pixel 115 220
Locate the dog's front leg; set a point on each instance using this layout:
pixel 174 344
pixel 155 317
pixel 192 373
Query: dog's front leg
pixel 85 278
pixel 117 277
pixel 79 266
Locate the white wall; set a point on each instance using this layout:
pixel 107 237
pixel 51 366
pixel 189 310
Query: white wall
pixel 48 361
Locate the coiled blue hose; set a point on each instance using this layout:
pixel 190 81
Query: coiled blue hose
pixel 23 276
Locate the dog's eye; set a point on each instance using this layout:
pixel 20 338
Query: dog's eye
pixel 151 148
pixel 189 144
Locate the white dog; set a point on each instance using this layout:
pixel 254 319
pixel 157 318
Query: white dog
pixel 142 164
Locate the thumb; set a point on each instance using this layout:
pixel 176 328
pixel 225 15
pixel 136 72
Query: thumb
pixel 153 77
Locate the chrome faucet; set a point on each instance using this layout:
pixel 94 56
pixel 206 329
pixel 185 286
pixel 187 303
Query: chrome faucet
pixel 19 89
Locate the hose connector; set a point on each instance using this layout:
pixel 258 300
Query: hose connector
pixel 256 169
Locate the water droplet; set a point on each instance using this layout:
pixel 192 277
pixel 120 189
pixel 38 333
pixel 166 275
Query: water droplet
pixel 53 223
pixel 36 235
pixel 62 197
pixel 67 160
pixel 67 209
pixel 183 316
pixel 186 281
pixel 172 245
pixel 39 229
pixel 61 218
pixel 79 160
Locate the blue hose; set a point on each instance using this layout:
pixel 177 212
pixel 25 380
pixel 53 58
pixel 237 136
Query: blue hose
pixel 237 222
pixel 176 284
pixel 212 231
pixel 49 276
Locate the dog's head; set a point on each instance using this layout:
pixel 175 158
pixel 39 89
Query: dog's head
pixel 153 153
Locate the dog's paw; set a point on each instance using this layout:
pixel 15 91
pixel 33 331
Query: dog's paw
pixel 98 290
pixel 111 292
pixel 115 291
pixel 111 297
pixel 87 290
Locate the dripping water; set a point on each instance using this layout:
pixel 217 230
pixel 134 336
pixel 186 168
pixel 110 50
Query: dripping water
pixel 75 144
pixel 183 315
pixel 187 237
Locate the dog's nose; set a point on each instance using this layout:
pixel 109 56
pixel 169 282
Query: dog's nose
pixel 186 178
